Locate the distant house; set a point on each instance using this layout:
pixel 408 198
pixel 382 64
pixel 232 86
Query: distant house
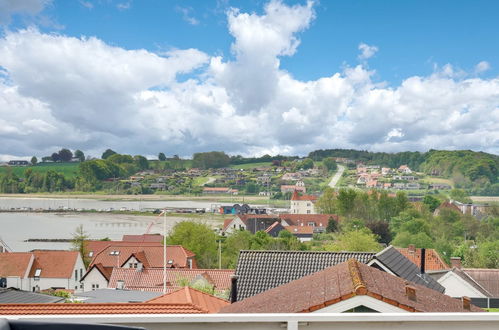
pixel 18 163
pixel 299 186
pixel 303 233
pixel 439 186
pixel 42 269
pixel 217 190
pixel 133 255
pixel 405 169
pixel 303 204
pixel 350 287
pixel 433 261
pixel 291 177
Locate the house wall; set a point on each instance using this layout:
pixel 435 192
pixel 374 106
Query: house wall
pixel 94 277
pixel 235 225
pixel 302 207
pixel 18 283
pixel 457 287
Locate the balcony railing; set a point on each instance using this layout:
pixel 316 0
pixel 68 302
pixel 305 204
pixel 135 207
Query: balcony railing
pixel 309 321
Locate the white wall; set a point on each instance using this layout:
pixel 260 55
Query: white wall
pixel 455 286
pixel 302 207
pixel 235 222
pixel 94 277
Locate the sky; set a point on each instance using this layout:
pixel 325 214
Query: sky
pixel 247 77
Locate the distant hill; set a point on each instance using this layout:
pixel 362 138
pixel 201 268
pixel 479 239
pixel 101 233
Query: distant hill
pixel 465 167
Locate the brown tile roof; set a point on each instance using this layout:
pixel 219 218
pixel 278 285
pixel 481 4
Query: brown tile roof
pixel 342 282
pixel 105 271
pixel 15 263
pixel 487 278
pixel 150 254
pixel 54 264
pixel 98 246
pixel 186 295
pixel 433 261
pixel 143 238
pixel 152 279
pixel 108 308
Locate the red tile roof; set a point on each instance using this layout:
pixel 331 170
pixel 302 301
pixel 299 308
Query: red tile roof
pixel 143 238
pixel 320 220
pixel 15 263
pixel 342 282
pixel 186 295
pixel 98 246
pixel 54 264
pixel 91 309
pixel 152 255
pixel 433 261
pixel 297 197
pixel 300 229
pixel 152 279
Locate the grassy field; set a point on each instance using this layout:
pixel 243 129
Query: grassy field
pixel 252 165
pixel 430 179
pixel 68 169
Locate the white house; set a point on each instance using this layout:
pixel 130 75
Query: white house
pixel 303 204
pixel 41 270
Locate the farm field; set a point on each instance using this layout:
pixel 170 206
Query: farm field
pixel 70 170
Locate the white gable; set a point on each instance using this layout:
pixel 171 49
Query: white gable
pixel 357 301
pixel 455 286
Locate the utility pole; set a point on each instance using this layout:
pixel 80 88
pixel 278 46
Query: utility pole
pixel 164 252
pixel 219 254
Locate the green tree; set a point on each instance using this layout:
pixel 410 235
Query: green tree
pixel 332 225
pixel 307 163
pixel 161 157
pixel 34 160
pixel 80 236
pixel 357 240
pixel 346 201
pixel 431 202
pixel 9 182
pixel 141 162
pixel 330 164
pixel 326 203
pixel 80 155
pixel 213 159
pixel 236 241
pixel 198 238
pixel 65 155
pixel 108 153
pixel 420 240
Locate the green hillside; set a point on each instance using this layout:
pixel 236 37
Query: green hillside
pixel 70 170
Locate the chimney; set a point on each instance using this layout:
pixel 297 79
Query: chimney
pixel 455 262
pixel 233 289
pixel 412 248
pixel 120 284
pixel 466 303
pixel 410 292
pixel 423 260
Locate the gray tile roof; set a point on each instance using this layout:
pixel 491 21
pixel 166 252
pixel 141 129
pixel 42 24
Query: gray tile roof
pixel 259 271
pixel 15 296
pixel 116 296
pixel 406 269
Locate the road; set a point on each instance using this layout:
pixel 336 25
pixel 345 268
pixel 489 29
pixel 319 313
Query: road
pixel 337 176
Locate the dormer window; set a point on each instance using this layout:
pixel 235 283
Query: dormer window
pixel 114 253
pixel 170 262
pixel 38 271
pixel 91 254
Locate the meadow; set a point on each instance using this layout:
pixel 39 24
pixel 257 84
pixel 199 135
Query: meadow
pixel 70 170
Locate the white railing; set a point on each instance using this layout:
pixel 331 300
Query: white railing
pixel 309 321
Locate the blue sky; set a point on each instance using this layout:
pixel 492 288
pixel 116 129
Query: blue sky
pixel 377 49
pixel 412 36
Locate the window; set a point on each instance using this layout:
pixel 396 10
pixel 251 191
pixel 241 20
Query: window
pixel 37 274
pixel 81 273
pixel 308 211
pixel 91 254
pixel 76 274
pixel 95 286
pixel 114 253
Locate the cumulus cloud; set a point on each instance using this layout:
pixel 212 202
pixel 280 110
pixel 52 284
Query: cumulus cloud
pixel 59 91
pixel 366 51
pixel 187 15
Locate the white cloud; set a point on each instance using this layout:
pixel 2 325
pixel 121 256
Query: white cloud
pixel 366 51
pixel 87 4
pixel 23 7
pixel 60 91
pixel 124 5
pixel 482 67
pixel 187 15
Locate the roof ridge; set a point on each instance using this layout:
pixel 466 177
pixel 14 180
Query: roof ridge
pixel 359 287
pixel 188 295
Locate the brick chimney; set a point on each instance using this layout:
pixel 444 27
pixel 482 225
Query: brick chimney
pixel 410 292
pixel 466 303
pixel 412 248
pixel 455 262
